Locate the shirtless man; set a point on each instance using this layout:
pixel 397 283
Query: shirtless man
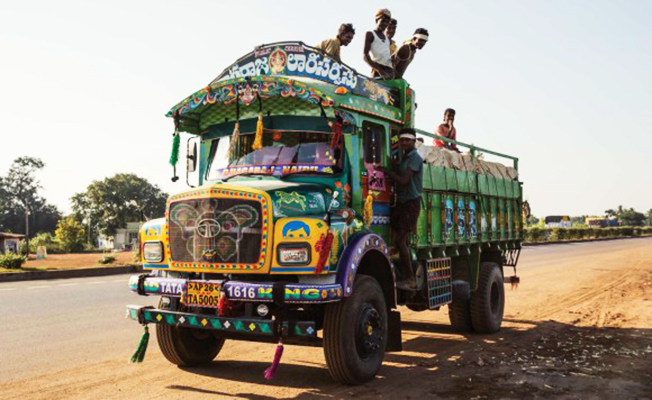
pixel 390 32
pixel 405 54
pixel 376 48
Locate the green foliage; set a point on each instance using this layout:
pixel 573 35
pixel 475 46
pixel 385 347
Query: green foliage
pixel 531 221
pixel 107 259
pixel 112 203
pixel 42 239
pixel 537 235
pixel 19 193
pixel 12 261
pixel 70 235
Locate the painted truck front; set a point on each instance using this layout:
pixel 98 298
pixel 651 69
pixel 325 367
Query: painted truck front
pixel 288 231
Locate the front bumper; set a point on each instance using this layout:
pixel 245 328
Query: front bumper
pixel 295 293
pixel 227 325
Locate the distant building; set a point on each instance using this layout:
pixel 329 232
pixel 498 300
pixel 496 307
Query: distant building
pixel 601 222
pixel 10 242
pixel 127 238
pixel 558 221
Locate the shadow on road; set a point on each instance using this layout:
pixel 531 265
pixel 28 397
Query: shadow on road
pixel 525 359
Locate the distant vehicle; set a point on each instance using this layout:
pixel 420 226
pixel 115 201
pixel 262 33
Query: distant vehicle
pixel 601 222
pixel 558 221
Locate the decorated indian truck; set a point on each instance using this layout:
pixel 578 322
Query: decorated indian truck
pixel 286 237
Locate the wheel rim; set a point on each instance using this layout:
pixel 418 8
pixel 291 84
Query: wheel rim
pixel 369 331
pixel 495 299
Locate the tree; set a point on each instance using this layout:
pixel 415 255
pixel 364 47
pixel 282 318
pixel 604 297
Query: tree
pixel 110 204
pixel 71 235
pixel 627 217
pixel 21 207
pixel 649 217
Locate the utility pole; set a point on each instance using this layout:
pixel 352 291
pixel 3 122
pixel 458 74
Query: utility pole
pixel 27 214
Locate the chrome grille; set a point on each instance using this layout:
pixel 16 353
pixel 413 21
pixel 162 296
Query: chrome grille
pixel 215 230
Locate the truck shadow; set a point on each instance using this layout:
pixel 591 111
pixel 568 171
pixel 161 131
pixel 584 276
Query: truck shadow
pixel 440 362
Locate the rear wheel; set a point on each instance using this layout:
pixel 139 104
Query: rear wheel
pixel 186 346
pixel 488 301
pixel 355 333
pixel 459 313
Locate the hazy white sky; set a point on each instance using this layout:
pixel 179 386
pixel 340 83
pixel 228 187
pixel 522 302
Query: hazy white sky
pixel 564 85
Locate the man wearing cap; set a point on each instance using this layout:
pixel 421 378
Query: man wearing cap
pixel 409 185
pixel 405 54
pixel 332 46
pixel 376 48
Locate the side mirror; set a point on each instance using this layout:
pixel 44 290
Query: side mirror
pixel 191 158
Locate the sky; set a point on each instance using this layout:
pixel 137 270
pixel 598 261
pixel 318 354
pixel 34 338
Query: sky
pixel 566 86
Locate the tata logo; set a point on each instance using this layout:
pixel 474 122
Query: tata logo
pixel 208 228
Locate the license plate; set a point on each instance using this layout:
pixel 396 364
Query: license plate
pixel 202 294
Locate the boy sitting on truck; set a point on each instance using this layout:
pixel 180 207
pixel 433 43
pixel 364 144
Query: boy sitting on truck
pixel 409 185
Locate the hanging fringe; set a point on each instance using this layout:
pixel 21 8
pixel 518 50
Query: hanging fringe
pixel 369 209
pixel 176 143
pixel 139 354
pixel 234 140
pixel 324 252
pixel 258 141
pixel 270 373
pixel 336 139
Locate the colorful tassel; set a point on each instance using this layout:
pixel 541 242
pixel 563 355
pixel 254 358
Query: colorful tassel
pixel 258 141
pixel 234 140
pixel 176 143
pixel 139 354
pixel 369 209
pixel 270 373
pixel 324 252
pixel 336 138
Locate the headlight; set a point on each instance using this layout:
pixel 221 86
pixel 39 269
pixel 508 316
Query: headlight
pixel 298 254
pixel 153 252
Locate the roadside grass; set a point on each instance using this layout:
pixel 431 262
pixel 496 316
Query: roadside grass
pixel 71 261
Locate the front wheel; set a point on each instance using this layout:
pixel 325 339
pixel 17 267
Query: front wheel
pixel 488 301
pixel 186 346
pixel 355 333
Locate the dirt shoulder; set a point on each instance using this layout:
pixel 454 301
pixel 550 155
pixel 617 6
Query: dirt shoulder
pixel 577 328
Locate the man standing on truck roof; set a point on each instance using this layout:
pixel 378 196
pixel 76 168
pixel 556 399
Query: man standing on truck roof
pixel 376 48
pixel 405 54
pixel 409 184
pixel 332 46
pixel 390 32
pixel 447 130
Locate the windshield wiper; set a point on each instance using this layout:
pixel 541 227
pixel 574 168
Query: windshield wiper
pixel 244 174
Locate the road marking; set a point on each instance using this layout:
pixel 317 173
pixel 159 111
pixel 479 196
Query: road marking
pixel 7 289
pixel 69 284
pixel 37 287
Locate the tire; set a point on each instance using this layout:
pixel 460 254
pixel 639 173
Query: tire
pixel 186 346
pixel 459 313
pixel 488 301
pixel 355 333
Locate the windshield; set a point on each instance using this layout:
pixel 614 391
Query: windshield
pixel 283 152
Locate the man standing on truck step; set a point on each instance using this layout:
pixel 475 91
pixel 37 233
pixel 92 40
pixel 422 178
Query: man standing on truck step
pixel 405 54
pixel 409 184
pixel 332 46
pixel 447 130
pixel 376 48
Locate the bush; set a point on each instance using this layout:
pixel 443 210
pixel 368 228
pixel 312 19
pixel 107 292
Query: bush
pixel 107 259
pixel 71 235
pixel 11 260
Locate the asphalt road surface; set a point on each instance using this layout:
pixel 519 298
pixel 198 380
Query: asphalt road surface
pixel 70 339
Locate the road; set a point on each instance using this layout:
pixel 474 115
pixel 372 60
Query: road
pixel 580 323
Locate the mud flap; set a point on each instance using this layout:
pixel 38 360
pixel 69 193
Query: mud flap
pixel 394 340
